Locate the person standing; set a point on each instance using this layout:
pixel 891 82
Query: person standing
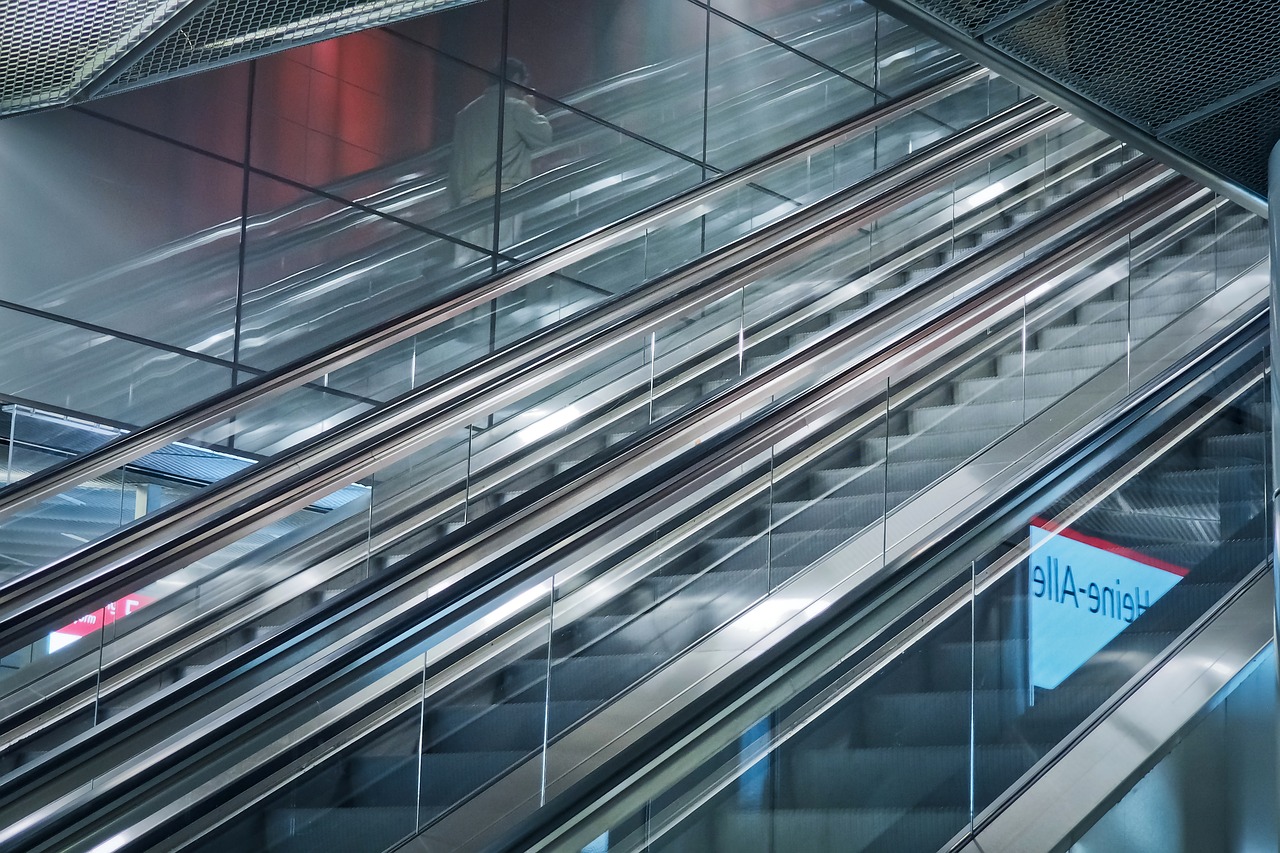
pixel 473 174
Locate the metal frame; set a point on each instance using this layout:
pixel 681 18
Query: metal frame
pixel 349 350
pixel 855 635
pixel 339 549
pixel 259 495
pixel 772 428
pixel 1055 92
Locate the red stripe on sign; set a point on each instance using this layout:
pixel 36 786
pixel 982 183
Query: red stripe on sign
pixel 1110 547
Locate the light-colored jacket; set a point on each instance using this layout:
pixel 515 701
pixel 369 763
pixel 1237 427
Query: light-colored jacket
pixel 475 144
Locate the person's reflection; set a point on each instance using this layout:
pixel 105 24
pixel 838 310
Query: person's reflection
pixel 473 174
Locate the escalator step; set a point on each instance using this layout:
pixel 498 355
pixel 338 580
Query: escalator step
pixel 338 830
pixel 510 727
pixel 1073 357
pixel 1005 414
pixel 851 830
pixel 954 444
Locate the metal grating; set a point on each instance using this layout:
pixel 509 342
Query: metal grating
pixel 1168 76
pixel 232 30
pixel 1237 140
pixel 50 51
pixel 1150 63
pixel 973 16
pixel 54 52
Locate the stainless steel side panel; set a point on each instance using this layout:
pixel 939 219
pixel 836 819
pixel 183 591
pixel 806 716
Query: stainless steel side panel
pixel 1104 761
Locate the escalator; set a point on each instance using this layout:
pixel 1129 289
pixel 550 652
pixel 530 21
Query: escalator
pixel 315 272
pixel 280 409
pixel 627 606
pixel 239 597
pixel 611 482
pixel 990 712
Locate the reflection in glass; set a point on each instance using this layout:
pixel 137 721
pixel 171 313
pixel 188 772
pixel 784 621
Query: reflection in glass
pixel 116 228
pixel 762 96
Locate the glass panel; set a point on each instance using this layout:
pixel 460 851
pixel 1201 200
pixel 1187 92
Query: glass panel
pixel 418 500
pixel 538 305
pixel 610 635
pixel 208 110
pixel 755 84
pixel 235 596
pixel 818 504
pixel 33 440
pixel 664 247
pixel 371 117
pixel 63 524
pixel 97 376
pixel 1106 587
pixel 637 64
pixel 586 177
pixel 939 425
pixel 841 35
pixel 1075 336
pixel 904 57
pixel 1216 787
pixel 696 354
pixel 481 726
pixel 366 798
pixel 896 750
pixel 1242 241
pixel 600 404
pixel 317 271
pixel 884 768
pixel 274 425
pixel 471 32
pixel 116 228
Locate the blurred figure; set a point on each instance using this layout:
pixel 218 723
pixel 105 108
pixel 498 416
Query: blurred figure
pixel 473 174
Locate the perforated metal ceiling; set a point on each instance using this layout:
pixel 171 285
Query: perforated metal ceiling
pixel 54 52
pixel 1197 81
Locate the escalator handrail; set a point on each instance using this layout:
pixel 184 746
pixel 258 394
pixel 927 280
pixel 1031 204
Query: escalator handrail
pixel 768 427
pixel 133 445
pixel 1139 415
pixel 258 495
pixel 951 281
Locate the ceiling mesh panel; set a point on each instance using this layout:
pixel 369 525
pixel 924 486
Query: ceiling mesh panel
pixel 1194 79
pixel 1149 62
pixel 50 50
pixel 972 16
pixel 237 29
pixel 1237 140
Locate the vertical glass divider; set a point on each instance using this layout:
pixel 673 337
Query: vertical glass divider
pixel 413 363
pixel 13 439
pixel 1217 248
pixel 368 539
pixel 952 234
pixel 1128 334
pixel 422 744
pixel 1024 343
pixel 884 506
pixel 973 690
pixel 768 531
pixel 653 360
pixel 644 254
pixel 466 484
pixel 546 693
pixel 875 62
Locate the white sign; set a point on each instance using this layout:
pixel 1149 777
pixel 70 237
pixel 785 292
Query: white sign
pixel 1083 592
